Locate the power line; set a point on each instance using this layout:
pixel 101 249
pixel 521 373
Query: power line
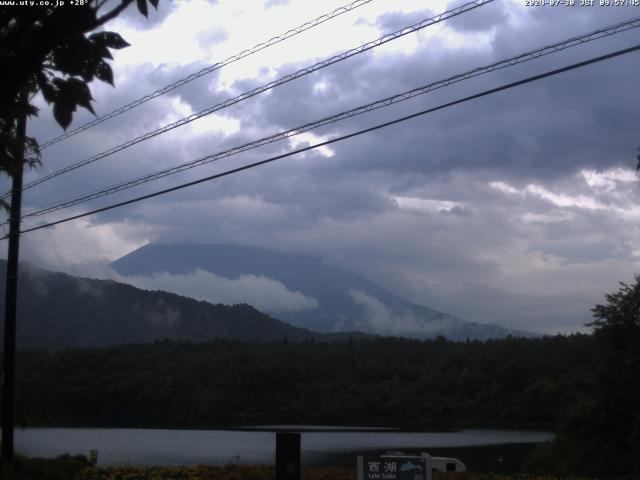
pixel 216 66
pixel 287 78
pixel 385 102
pixel 343 137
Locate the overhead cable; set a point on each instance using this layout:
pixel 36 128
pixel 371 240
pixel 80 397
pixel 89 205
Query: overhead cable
pixel 216 66
pixel 341 138
pixel 263 88
pixel 385 102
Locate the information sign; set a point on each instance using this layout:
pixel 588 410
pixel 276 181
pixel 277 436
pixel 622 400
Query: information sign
pixel 393 467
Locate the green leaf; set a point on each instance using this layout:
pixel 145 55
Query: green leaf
pixel 100 49
pixel 104 72
pixel 142 6
pixel 71 92
pixel 67 60
pixel 49 92
pixel 63 113
pixel 110 39
pixel 86 104
pixel 78 56
pixel 78 92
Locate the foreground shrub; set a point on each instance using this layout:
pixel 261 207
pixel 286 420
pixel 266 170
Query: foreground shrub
pixel 263 472
pixel 61 468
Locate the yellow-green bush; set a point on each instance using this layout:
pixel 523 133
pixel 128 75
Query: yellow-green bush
pixel 261 472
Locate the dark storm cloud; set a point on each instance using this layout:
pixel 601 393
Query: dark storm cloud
pixel 498 250
pixel 515 137
pixel 300 101
pixel 534 129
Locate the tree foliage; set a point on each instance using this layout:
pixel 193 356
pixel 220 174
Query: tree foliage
pixel 621 313
pixel 383 382
pixel 57 51
pixel 601 434
pixel 617 333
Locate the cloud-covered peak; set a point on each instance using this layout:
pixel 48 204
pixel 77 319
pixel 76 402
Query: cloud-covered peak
pixel 529 193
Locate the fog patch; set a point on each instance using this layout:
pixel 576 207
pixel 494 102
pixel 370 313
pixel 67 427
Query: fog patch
pixel 158 314
pixel 164 316
pixel 36 276
pixel 384 320
pixel 261 292
pixel 89 287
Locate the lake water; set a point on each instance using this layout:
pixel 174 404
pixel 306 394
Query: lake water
pixel 336 447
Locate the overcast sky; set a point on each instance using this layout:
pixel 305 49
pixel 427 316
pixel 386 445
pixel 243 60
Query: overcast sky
pixel 520 208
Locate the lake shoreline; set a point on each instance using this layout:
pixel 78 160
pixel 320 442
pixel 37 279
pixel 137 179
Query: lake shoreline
pixel 295 428
pixel 122 447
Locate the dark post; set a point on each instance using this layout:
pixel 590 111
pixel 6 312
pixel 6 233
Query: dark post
pixel 11 296
pixel 287 456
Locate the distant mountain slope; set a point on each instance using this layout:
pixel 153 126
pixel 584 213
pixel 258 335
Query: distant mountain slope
pixel 344 301
pixel 57 310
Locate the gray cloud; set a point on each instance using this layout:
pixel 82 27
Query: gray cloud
pixel 455 236
pixel 393 21
pixel 458 211
pixel 212 37
pixel 534 313
pixel 132 16
pixel 275 3
pixel 261 292
pixel 481 18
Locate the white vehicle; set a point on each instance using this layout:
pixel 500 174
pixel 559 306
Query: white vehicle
pixel 437 464
pixel 446 464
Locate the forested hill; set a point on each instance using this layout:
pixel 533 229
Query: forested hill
pixel 381 382
pixel 56 310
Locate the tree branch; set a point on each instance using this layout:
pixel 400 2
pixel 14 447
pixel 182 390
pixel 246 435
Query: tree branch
pixel 112 14
pixel 100 4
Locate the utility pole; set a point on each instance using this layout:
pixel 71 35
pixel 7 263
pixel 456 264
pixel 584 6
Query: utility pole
pixel 11 297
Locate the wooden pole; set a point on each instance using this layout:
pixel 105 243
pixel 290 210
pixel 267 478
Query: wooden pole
pixel 287 456
pixel 11 297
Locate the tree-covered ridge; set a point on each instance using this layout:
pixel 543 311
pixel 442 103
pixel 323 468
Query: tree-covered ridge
pixel 56 310
pixel 382 382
